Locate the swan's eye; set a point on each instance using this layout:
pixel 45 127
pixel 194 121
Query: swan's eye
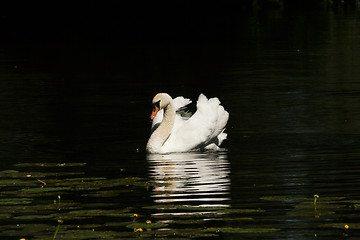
pixel 157 104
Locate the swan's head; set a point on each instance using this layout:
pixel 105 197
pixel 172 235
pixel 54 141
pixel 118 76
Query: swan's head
pixel 160 101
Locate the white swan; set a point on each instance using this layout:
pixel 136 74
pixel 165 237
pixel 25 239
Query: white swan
pixel 173 133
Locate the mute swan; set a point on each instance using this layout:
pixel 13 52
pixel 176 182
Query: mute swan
pixel 172 132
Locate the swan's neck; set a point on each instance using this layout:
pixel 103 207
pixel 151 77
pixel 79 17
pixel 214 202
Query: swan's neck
pixel 162 133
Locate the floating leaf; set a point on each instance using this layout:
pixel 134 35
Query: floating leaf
pixel 183 207
pixel 341 225
pixel 15 183
pixel 15 201
pixel 282 198
pixel 241 230
pixel 49 165
pixel 8 173
pixel 33 217
pixel 146 225
pixel 45 189
pixel 105 194
pixel 99 212
pixel 234 211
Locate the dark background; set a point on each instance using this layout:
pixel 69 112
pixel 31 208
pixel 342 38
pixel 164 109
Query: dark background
pixel 76 83
pixel 79 76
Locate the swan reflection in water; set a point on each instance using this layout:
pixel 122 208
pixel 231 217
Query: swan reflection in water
pixel 191 179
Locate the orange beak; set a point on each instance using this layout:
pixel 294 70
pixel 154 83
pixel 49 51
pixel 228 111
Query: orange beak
pixel 154 112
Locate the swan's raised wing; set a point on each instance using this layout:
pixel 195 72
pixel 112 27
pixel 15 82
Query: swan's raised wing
pixel 181 102
pixel 207 123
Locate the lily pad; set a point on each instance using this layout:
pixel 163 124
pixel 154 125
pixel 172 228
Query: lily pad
pixel 188 233
pixel 5 216
pixel 80 234
pixel 235 211
pixel 186 215
pixel 6 173
pixel 15 201
pixel 49 165
pixel 282 198
pixel 146 225
pixel 81 184
pixel 45 189
pixel 13 182
pixel 44 175
pixel 105 194
pixel 308 210
pixel 33 217
pixel 28 228
pixel 341 225
pixel 183 207
pixel 99 212
pixel 241 230
pixel 291 198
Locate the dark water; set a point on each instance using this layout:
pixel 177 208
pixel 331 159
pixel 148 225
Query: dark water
pixel 74 124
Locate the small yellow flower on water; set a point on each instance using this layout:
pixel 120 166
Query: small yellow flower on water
pixel 138 230
pixel 148 221
pixel 136 215
pixel 29 175
pixel 22 239
pixel 346 226
pixel 60 221
pixel 315 198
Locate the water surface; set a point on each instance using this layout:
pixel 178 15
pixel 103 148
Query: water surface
pixel 74 126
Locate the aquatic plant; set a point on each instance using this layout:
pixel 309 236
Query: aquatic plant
pixel 57 228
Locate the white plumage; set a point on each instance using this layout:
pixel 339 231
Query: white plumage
pixel 171 132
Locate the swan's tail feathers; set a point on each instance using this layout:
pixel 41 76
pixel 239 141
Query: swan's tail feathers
pixel 203 99
pixel 214 102
pixel 201 102
pixel 215 117
pixel 221 137
pixel 214 144
pixel 208 107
